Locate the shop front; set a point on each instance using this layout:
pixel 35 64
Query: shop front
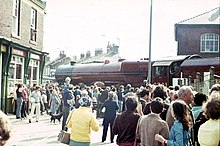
pixel 19 65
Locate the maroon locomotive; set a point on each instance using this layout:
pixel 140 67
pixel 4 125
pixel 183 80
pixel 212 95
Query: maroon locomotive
pixel 134 72
pixel 121 72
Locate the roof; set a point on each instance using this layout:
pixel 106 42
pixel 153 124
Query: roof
pixel 210 17
pixel 202 62
pixel 168 60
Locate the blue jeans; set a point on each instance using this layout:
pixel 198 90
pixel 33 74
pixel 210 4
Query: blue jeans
pixel 19 105
pixel 74 143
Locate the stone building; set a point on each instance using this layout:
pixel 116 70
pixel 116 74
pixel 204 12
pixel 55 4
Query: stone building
pixel 22 58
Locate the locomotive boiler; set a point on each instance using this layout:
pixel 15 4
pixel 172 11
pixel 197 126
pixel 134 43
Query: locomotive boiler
pixel 120 72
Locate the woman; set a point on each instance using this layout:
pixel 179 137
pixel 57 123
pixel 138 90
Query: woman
pixel 209 132
pixel 54 102
pixel 19 101
pixel 81 122
pixel 179 132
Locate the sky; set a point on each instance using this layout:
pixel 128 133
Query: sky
pixel 78 26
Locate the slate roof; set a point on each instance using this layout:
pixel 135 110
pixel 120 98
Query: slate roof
pixel 210 17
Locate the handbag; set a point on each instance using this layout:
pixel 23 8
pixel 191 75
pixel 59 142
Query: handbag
pixel 64 136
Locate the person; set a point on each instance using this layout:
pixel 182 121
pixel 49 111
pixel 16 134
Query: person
pixel 111 108
pixel 185 94
pixel 199 99
pixel 81 122
pixel 35 98
pixel 120 97
pixel 5 128
pixel 152 124
pixel 125 124
pixel 24 109
pixel 54 102
pixel 179 132
pixel 19 101
pixel 44 100
pixel 198 113
pixel 209 132
pixel 68 97
pixel 144 98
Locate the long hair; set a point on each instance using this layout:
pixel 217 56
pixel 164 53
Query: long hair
pixel 180 110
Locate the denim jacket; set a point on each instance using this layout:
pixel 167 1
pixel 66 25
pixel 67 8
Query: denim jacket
pixel 178 137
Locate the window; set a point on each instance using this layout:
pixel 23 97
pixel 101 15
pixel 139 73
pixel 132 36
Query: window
pixel 34 73
pixel 209 43
pixel 18 71
pixel 16 17
pixel 160 71
pixel 33 30
pixel 29 73
pixel 16 68
pixel 33 70
pixel 11 71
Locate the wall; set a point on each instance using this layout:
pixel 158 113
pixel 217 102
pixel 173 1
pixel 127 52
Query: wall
pixel 188 37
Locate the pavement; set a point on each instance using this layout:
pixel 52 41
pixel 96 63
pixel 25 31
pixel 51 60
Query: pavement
pixel 45 133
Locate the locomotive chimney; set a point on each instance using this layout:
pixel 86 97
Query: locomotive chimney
pixel 72 63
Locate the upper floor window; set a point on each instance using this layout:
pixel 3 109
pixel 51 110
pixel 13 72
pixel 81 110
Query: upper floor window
pixel 209 42
pixel 16 17
pixel 33 30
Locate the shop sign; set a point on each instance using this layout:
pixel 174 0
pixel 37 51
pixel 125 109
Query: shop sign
pixel 34 56
pixel 3 48
pixel 18 52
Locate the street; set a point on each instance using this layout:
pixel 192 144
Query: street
pixel 44 133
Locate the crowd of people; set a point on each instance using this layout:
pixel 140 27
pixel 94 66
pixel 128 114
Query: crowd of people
pixel 150 115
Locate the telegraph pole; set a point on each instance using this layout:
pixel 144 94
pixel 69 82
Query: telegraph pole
pixel 149 59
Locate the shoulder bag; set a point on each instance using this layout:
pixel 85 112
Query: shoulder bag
pixel 64 136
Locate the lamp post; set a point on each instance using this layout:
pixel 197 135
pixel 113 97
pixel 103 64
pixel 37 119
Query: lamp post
pixel 149 60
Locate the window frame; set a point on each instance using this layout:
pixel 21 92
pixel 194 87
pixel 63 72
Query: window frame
pixel 16 18
pixel 33 26
pixel 209 43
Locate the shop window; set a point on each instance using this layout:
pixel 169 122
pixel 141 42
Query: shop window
pixel 29 73
pixel 34 73
pixel 12 71
pixel 18 71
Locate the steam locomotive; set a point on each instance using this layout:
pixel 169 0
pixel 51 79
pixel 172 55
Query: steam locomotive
pixel 134 72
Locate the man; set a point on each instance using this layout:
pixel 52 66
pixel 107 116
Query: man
pixel 125 123
pixel 35 98
pixel 185 93
pixel 152 124
pixel 68 97
pixel 111 107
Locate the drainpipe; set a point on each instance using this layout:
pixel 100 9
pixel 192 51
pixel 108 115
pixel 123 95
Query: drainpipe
pixel 26 64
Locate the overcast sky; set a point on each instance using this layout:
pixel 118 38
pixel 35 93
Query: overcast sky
pixel 79 26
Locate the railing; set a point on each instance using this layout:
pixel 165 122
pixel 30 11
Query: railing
pixel 203 83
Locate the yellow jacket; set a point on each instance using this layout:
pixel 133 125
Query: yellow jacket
pixel 209 133
pixel 81 123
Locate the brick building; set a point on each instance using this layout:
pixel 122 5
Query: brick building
pixel 199 35
pixel 22 58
